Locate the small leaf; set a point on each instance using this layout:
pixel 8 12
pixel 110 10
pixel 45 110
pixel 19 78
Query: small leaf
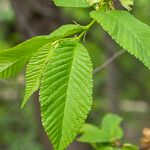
pixel 127 31
pixel 66 93
pixel 72 3
pixel 110 121
pixel 109 132
pixel 91 134
pixel 89 128
pixel 91 137
pixel 111 127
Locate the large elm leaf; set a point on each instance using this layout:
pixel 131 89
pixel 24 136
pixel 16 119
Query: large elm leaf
pixel 66 93
pixel 127 31
pixel 12 60
pixel 37 63
pixel 72 3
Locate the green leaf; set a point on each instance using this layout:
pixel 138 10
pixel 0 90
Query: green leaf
pixel 71 3
pixel 109 132
pixel 91 137
pixel 110 121
pixel 111 127
pixel 66 93
pixel 37 63
pixel 89 128
pixel 35 69
pixel 66 31
pixel 12 60
pixel 91 134
pixel 127 31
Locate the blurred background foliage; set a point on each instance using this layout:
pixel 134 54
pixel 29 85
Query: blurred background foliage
pixel 122 88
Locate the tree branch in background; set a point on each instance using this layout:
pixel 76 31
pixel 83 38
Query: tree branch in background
pixel 108 62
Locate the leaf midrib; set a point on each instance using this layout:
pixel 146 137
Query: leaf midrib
pixel 74 49
pixel 125 27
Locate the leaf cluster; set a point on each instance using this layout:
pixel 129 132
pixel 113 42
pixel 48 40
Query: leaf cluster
pixel 106 137
pixel 60 67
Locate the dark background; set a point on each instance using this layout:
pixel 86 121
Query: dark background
pixel 123 87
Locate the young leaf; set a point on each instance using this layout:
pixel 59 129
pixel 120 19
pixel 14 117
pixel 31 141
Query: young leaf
pixel 91 137
pixel 127 31
pixel 88 128
pixel 12 60
pixel 72 3
pixel 109 132
pixel 111 127
pixel 110 121
pixel 92 2
pixel 91 134
pixel 66 93
pixel 37 63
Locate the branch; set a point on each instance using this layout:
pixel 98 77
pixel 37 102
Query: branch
pixel 108 62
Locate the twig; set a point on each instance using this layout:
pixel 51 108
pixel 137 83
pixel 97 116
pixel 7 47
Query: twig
pixel 108 62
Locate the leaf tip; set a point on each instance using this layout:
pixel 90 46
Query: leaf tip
pixel 22 105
